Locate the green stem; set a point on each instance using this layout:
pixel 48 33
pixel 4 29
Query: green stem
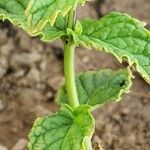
pixel 70 82
pixel 70 74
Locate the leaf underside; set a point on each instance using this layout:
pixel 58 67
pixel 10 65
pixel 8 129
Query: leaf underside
pixel 34 16
pixel 64 130
pixel 122 36
pixel 97 88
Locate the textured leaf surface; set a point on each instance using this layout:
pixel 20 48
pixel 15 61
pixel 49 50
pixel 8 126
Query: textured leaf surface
pixel 50 33
pixel 64 130
pixel 34 15
pixel 96 88
pixel 122 36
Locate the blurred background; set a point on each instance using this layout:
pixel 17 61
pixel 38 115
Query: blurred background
pixel 31 72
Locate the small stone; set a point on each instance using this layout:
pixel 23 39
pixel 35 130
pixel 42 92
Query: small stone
pixel 3 147
pixel 43 65
pixel 97 143
pixel 2 105
pixel 49 95
pixel 3 37
pixel 19 73
pixel 86 59
pixel 19 59
pixel 6 49
pixel 3 66
pixel 55 82
pixel 20 145
pixel 116 117
pixel 125 111
pixel 41 111
pixel 24 40
pixel 34 75
pixel 26 95
pixel 97 146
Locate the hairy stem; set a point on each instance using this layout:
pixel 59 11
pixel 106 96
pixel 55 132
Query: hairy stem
pixel 70 82
pixel 70 74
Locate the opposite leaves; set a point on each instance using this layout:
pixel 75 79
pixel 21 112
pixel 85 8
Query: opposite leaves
pixel 97 88
pixel 64 130
pixel 122 36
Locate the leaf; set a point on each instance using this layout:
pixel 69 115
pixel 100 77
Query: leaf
pixel 40 12
pixel 14 10
pixel 122 36
pixel 97 88
pixel 33 15
pixel 65 130
pixel 16 15
pixel 50 33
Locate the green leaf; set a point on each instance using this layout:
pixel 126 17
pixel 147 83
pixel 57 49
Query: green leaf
pixel 14 10
pixel 97 88
pixel 122 36
pixel 65 130
pixel 33 15
pixel 50 33
pixel 40 12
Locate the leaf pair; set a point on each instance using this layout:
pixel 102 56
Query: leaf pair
pixel 120 35
pixel 69 128
pixel 117 33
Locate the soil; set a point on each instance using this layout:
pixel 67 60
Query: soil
pixel 31 72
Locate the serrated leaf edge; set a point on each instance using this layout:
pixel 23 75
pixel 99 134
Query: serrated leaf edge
pixel 122 91
pixel 39 120
pixel 131 61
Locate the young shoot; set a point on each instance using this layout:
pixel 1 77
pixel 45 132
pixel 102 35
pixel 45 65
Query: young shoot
pixel 72 127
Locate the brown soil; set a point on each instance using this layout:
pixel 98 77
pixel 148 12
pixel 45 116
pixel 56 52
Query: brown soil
pixel 31 72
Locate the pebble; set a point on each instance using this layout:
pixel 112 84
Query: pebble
pixel 3 37
pixel 20 145
pixel 49 95
pixel 20 73
pixel 3 66
pixel 97 143
pixel 2 105
pixel 24 58
pixel 86 59
pixel 43 65
pixel 41 111
pixel 34 76
pixel 3 147
pixel 55 82
pixel 6 49
pixel 24 40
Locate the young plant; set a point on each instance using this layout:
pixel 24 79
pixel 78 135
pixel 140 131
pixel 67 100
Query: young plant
pixel 116 33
